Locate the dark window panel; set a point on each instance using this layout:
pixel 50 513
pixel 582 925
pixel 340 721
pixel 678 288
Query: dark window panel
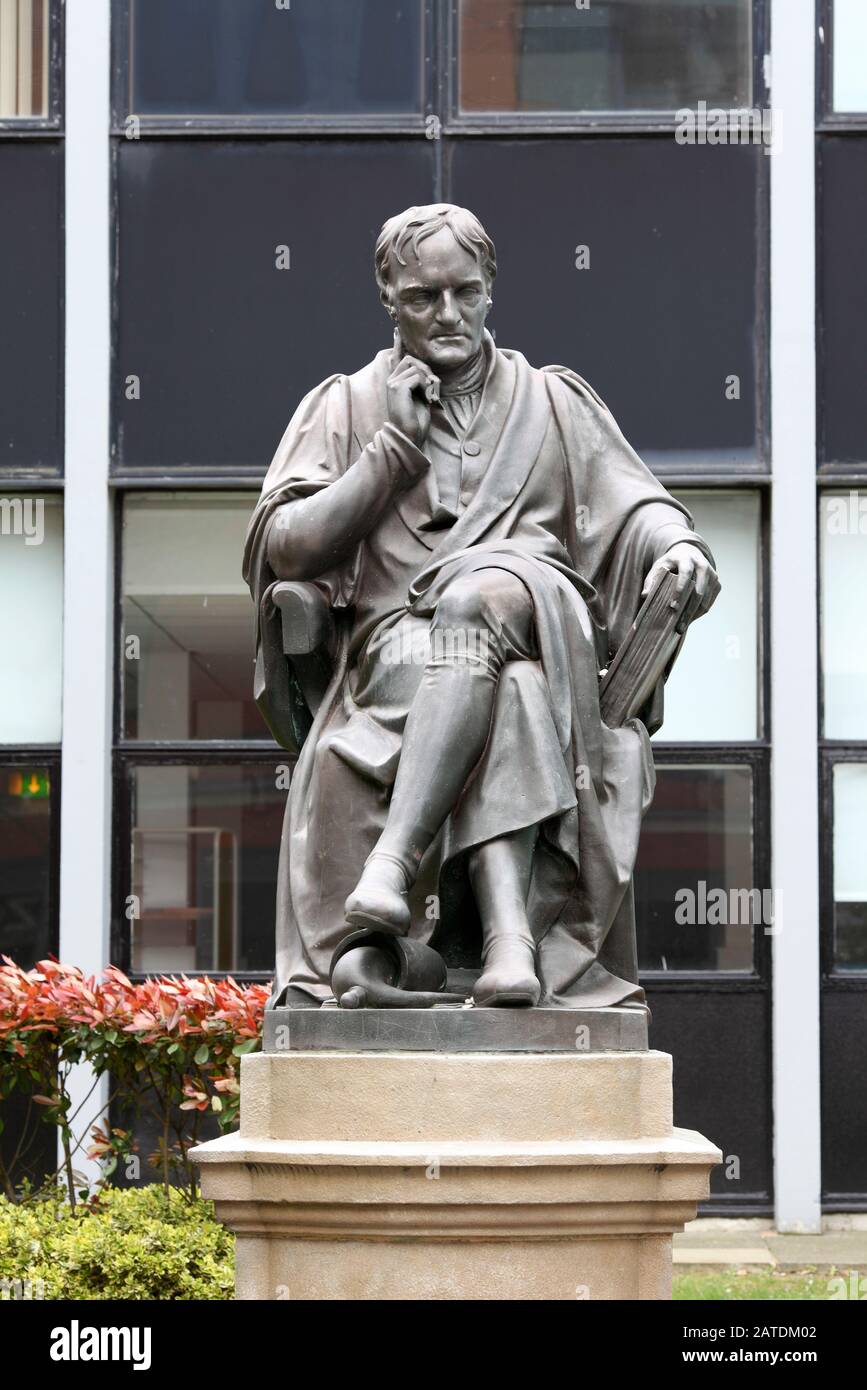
pixel 843 341
pixel 697 839
pixel 720 1044
pixel 204 848
pixel 223 342
pixel 249 57
pixel 667 311
pixel 844 1097
pixel 31 256
pixel 27 848
pixel 610 55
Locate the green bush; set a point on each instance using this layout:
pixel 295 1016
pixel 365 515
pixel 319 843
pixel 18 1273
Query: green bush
pixel 135 1244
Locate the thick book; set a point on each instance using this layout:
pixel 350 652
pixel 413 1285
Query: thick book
pixel 646 652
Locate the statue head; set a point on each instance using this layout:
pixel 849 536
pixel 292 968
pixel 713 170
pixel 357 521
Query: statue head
pixel 435 266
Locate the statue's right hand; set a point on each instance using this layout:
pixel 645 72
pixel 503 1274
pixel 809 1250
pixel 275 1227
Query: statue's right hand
pixel 406 397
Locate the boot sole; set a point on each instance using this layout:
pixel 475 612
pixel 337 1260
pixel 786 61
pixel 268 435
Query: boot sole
pixel 508 999
pixel 368 920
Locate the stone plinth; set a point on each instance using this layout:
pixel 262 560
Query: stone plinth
pixel 429 1175
pixel 451 1028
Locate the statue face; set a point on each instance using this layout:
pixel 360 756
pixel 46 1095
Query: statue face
pixel 441 303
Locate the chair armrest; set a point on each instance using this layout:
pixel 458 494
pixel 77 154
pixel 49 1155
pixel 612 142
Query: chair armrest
pixel 305 617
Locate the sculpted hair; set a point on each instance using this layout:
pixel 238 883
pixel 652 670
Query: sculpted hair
pixel 405 232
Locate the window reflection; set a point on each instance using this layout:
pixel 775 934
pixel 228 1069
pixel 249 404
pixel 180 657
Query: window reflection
pixel 23 58
pixel 608 55
pixel 204 852
pixel 187 649
pixel 255 57
pixel 26 927
pixel 850 866
pixel 694 874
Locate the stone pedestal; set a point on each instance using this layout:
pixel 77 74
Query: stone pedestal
pixel 429 1175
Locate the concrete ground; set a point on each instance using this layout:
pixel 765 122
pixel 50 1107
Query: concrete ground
pixel 748 1241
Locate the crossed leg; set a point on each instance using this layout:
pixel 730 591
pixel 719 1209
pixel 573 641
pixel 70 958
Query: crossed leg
pixel 483 620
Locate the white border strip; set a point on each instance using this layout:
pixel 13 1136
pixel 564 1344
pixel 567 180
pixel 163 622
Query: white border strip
pixel 85 812
pixel 794 619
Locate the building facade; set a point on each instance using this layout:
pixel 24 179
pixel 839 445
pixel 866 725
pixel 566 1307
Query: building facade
pixel 192 190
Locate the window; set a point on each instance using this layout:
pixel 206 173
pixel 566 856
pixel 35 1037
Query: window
pixel 201 786
pixel 222 58
pixel 204 842
pixel 843 535
pixel 608 55
pixel 31 280
pixel 187 619
pixel 632 261
pixel 850 45
pixel 843 298
pixel 24 50
pixel 29 807
pixel 31 618
pixel 713 691
pixel 850 866
pixel 695 875
pixel 246 278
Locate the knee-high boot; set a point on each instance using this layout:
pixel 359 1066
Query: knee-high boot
pixel 500 875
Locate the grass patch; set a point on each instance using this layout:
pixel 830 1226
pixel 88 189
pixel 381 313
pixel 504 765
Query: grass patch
pixel 733 1284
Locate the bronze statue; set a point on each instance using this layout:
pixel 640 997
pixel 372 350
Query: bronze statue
pixel 456 544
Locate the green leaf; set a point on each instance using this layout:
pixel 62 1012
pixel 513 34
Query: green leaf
pixel 241 1049
pixel 172 1048
pixel 202 1055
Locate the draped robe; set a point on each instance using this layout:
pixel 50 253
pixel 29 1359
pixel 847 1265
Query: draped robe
pixel 550 491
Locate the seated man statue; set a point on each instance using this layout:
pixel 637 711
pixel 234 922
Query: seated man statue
pixel 482 535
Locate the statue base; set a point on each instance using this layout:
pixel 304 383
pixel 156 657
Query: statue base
pixel 453 1028
pixel 430 1175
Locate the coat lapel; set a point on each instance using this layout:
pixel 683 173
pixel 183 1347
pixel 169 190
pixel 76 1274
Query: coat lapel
pixel 509 429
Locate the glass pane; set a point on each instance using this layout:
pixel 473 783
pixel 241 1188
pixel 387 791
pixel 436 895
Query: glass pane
pixel 246 278
pixel 713 692
pixel 260 57
pixel 604 55
pixel 24 49
pixel 31 305
pixel 598 273
pixel 842 342
pixel 850 866
pixel 850 46
pixel 844 614
pixel 31 618
pixel 188 640
pixel 694 878
pixel 204 852
pixel 26 925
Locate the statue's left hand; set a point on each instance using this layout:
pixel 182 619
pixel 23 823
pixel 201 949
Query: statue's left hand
pixel 688 562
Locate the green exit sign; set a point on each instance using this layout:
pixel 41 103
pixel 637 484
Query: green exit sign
pixel 30 784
